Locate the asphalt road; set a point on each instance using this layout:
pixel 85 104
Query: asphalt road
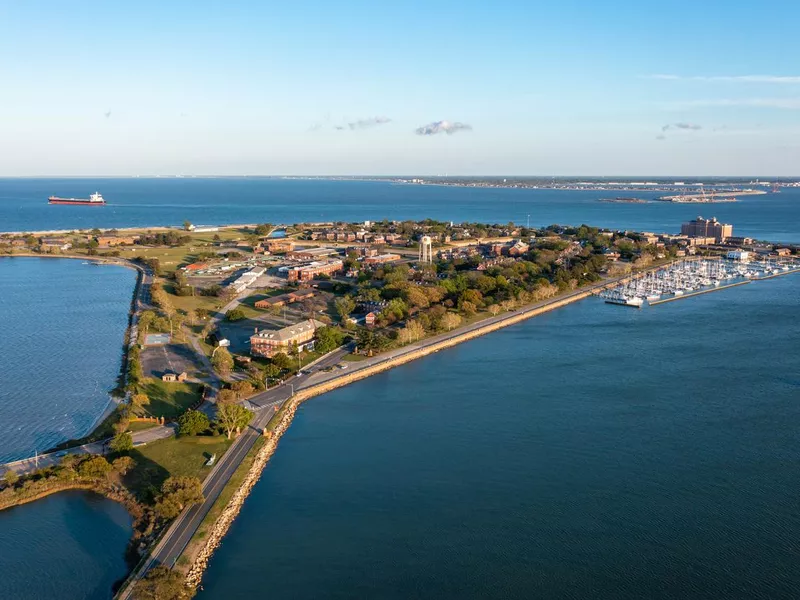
pixel 177 537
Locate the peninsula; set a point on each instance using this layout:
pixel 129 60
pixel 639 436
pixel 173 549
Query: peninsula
pixel 233 327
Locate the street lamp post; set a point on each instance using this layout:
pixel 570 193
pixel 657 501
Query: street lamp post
pixel 292 385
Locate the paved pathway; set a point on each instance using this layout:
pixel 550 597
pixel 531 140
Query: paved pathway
pixel 28 465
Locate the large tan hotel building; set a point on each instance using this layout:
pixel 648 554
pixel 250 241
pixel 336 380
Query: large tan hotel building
pixel 707 228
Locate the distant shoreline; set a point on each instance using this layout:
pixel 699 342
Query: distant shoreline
pixel 126 229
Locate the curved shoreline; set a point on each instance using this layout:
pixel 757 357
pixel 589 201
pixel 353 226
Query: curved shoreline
pixel 66 487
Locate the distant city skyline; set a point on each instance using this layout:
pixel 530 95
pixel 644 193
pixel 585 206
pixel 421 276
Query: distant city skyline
pixel 426 88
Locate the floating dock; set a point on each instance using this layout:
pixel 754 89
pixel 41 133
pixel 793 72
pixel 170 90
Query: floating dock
pixel 789 272
pixel 692 294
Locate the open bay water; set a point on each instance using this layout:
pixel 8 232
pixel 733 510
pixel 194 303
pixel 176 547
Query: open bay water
pixel 142 202
pixel 67 546
pixel 63 322
pixel 594 452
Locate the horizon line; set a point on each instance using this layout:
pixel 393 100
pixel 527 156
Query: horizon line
pixel 403 176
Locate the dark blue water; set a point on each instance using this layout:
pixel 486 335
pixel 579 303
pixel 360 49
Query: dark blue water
pixel 150 202
pixel 66 546
pixel 595 452
pixel 62 324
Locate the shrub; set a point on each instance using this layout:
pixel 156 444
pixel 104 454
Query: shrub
pixel 122 442
pixel 94 467
pixel 192 422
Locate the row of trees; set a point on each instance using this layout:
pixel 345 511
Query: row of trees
pixel 73 468
pixel 230 418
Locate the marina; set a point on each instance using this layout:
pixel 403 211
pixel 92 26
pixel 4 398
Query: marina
pixel 694 277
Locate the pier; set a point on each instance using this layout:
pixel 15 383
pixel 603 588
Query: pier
pixel 693 294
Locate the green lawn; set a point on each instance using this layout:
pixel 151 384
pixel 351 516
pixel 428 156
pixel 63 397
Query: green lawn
pixel 353 357
pixel 187 303
pixel 169 258
pixel 141 425
pixel 181 456
pixel 169 400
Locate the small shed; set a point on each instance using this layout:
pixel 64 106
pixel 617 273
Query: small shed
pixel 173 377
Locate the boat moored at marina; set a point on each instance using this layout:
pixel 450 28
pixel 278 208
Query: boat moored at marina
pixel 692 277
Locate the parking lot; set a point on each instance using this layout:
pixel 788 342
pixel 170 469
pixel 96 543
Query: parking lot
pixel 176 358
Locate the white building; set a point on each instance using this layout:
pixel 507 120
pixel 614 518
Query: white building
pixel 741 255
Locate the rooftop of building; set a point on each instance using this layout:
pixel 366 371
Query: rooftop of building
pixel 317 251
pixel 288 333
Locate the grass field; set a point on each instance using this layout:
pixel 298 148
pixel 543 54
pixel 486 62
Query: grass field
pixel 169 400
pixel 181 456
pixel 169 258
pixel 187 303
pixel 141 425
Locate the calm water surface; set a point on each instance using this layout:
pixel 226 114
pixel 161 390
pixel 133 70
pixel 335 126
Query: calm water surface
pixel 63 324
pixel 596 452
pixel 66 546
pixel 150 202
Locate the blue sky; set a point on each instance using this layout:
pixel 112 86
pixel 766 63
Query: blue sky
pixel 312 87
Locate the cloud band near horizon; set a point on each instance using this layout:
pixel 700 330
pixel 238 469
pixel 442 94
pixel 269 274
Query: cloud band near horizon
pixel 448 127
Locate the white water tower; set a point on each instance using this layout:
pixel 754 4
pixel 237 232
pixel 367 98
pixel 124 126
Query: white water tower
pixel 426 249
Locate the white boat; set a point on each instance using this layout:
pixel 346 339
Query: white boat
pixel 634 301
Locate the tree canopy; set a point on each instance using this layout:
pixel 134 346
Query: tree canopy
pixel 232 417
pixel 161 583
pixel 235 314
pixel 93 467
pixel 192 422
pixel 122 442
pixel 222 361
pixel 176 494
pixel 328 339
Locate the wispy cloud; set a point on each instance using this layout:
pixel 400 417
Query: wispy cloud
pixel 356 125
pixel 684 126
pixel 661 137
pixel 107 114
pixel 789 103
pixel 367 123
pixel 730 78
pixel 448 127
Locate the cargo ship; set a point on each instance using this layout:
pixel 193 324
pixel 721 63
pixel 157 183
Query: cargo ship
pixel 94 200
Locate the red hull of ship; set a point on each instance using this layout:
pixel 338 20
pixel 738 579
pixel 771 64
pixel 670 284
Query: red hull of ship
pixel 80 202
